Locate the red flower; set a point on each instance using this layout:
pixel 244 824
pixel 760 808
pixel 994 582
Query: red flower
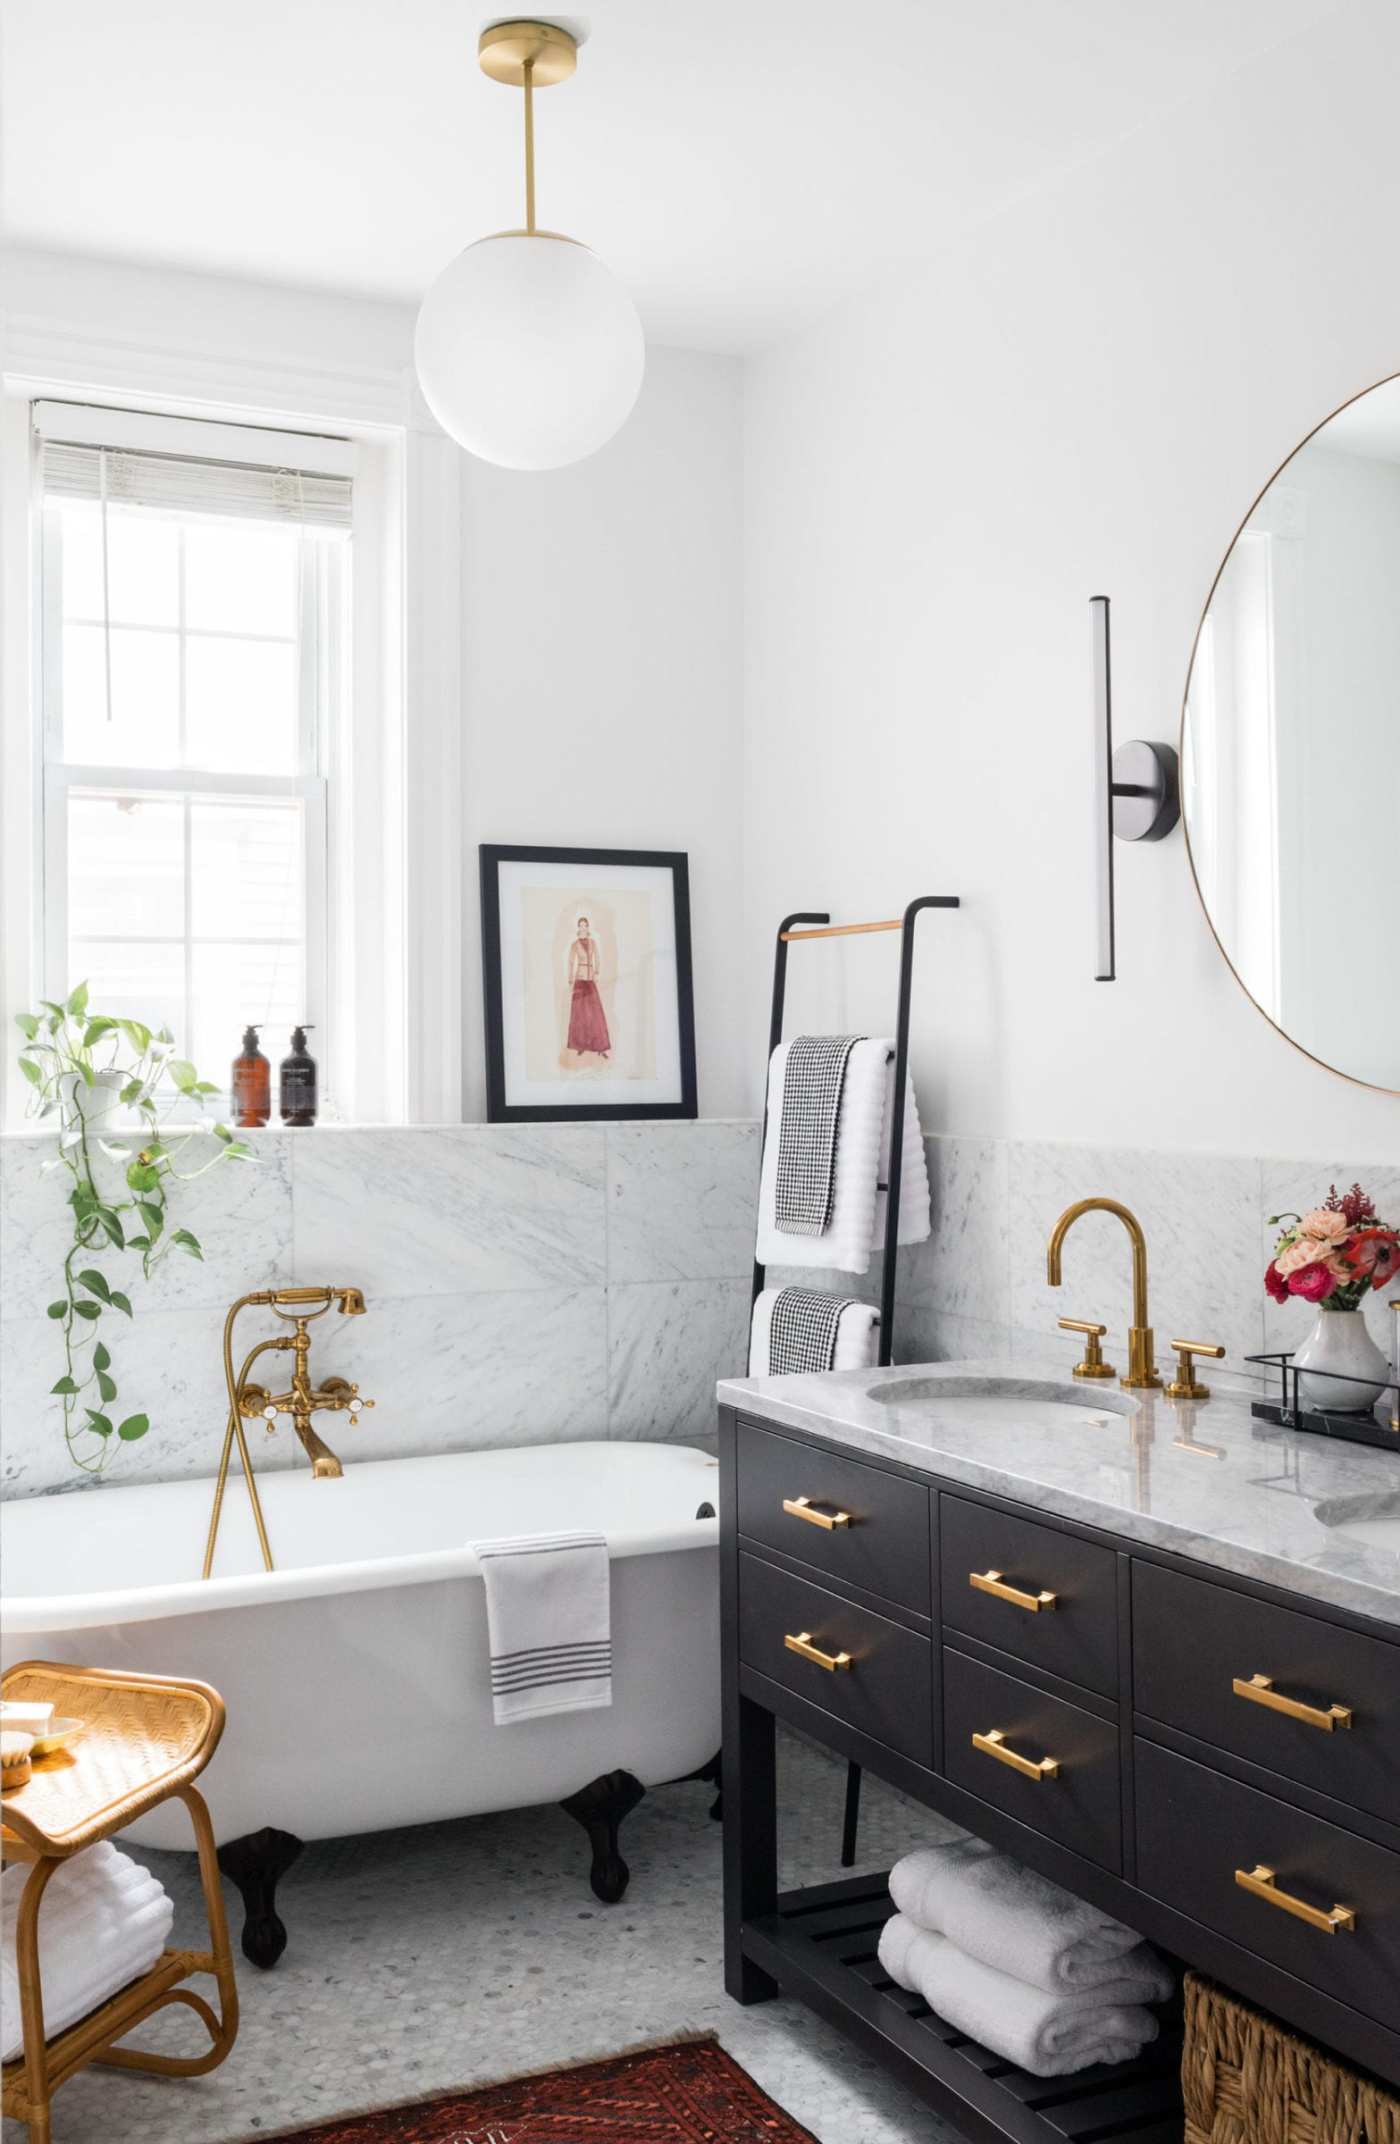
pixel 1275 1283
pixel 1314 1283
pixel 1353 1204
pixel 1373 1254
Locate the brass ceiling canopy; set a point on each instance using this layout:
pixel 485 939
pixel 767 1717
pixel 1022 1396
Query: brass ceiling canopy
pixel 533 53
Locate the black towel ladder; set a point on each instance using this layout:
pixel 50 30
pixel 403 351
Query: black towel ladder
pixel 791 931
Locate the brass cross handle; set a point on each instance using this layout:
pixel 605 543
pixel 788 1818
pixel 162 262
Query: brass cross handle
pixel 1186 1385
pixel 1093 1364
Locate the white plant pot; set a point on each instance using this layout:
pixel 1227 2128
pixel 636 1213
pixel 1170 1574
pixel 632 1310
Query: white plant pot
pixel 1340 1343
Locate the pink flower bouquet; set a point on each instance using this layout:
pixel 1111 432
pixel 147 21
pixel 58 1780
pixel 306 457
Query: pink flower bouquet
pixel 1333 1254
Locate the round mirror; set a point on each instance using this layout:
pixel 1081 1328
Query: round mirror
pixel 1290 748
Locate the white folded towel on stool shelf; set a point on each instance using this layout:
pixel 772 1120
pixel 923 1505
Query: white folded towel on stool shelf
pixel 549 1620
pixel 1051 2035
pixel 103 1922
pixel 856 1340
pixel 1021 1923
pixel 858 1206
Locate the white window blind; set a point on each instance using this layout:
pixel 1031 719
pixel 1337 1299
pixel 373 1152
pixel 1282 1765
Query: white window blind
pixel 178 485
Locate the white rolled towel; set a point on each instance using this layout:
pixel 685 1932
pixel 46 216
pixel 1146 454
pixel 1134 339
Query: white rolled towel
pixel 1011 1918
pixel 857 1335
pixel 858 1205
pixel 103 1922
pixel 1049 2035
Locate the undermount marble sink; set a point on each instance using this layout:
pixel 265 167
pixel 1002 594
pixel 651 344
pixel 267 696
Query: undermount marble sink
pixel 999 1401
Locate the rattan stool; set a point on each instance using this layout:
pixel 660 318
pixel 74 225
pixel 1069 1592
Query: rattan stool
pixel 1246 2080
pixel 145 1741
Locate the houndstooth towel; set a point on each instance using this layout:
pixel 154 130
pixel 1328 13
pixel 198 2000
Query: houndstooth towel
pixel 807 1132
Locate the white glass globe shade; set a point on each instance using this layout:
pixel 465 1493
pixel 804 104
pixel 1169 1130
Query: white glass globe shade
pixel 529 351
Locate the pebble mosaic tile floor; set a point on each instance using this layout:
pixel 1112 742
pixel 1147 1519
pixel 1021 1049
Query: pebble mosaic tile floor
pixel 453 1954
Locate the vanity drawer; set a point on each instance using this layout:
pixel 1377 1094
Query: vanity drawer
pixel 1310 1665
pixel 1195 1829
pixel 881 1540
pixel 1074 1633
pixel 884 1686
pixel 1076 1804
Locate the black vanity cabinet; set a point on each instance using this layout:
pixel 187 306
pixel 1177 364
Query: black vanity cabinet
pixel 1211 1760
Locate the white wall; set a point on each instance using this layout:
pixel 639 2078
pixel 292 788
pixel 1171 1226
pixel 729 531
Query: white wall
pixel 1086 398
pixel 601 665
pixel 599 612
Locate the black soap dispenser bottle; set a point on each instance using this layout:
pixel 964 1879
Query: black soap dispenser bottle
pixel 297 1082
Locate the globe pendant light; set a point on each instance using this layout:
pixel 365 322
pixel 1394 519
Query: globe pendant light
pixel 529 350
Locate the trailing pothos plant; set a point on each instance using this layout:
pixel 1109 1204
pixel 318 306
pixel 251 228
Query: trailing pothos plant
pixel 114 1085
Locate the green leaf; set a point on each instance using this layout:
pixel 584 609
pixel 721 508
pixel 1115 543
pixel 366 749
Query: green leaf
pixel 152 1215
pixel 137 1034
pixel 96 1029
pixel 88 1310
pixel 204 1086
pixel 141 1176
pixel 121 1302
pixel 111 1223
pixel 138 1243
pixel 183 1073
pixel 133 1427
pixel 101 1360
pixel 31 1072
pixel 27 1024
pixel 100 1423
pixel 77 1001
pixel 65 1385
pixel 221 1131
pixel 106 1385
pixel 187 1242
pixel 96 1283
pixel 131 1090
pixel 58 1310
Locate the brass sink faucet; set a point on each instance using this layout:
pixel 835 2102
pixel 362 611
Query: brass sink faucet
pixel 302 1399
pixel 1142 1368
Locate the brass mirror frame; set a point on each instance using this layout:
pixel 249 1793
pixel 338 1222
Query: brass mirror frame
pixel 1372 1086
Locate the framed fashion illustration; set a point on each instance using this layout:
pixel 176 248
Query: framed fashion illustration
pixel 587 981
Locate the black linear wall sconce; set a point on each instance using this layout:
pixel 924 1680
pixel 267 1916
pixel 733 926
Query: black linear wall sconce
pixel 1137 790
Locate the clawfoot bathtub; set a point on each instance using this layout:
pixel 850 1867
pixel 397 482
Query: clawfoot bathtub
pixel 356 1674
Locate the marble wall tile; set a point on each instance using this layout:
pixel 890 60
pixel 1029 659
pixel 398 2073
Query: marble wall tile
pixel 240 1211
pixel 682 1200
pixel 1199 1212
pixel 1295 1187
pixel 450 1211
pixel 965 1267
pixel 668 1344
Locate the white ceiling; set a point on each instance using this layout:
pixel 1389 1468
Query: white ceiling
pixel 742 163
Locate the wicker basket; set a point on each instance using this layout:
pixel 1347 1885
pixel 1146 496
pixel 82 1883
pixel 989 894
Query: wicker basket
pixel 1247 2081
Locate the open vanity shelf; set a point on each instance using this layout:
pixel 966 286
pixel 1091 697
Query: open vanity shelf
pixel 820 1944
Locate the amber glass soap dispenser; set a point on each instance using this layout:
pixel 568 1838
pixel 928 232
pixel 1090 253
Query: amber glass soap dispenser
pixel 297 1082
pixel 251 1085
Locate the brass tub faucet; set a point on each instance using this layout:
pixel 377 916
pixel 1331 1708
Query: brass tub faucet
pixel 255 1402
pixel 1142 1368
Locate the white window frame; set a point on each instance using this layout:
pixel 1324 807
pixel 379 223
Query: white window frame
pixel 101 333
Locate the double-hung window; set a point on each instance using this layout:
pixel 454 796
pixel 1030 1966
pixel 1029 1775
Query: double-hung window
pixel 194 597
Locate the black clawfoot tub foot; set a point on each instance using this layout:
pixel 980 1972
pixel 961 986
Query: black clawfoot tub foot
pixel 600 1808
pixel 255 1864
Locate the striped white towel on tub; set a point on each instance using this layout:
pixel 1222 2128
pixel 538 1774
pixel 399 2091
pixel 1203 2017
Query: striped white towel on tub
pixel 549 1620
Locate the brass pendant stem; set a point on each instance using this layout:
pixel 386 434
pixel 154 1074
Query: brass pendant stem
pixel 530 148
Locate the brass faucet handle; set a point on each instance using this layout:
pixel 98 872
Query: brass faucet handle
pixel 339 1393
pixel 1186 1385
pixel 1093 1364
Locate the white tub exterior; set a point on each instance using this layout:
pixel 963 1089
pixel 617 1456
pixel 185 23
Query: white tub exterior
pixel 356 1674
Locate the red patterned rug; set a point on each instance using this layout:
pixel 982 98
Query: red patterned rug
pixel 691 2093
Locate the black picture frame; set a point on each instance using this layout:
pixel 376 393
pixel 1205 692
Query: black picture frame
pixel 500 1109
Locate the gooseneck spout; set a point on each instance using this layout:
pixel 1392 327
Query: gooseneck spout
pixel 1142 1368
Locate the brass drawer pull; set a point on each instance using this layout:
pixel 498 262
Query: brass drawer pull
pixel 993 1582
pixel 1260 1691
pixel 800 1507
pixel 1261 1882
pixel 993 1744
pixel 803 1646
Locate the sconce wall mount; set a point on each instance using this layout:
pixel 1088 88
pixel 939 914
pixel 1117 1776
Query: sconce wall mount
pixel 1137 791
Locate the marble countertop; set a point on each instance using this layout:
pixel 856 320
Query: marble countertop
pixel 1205 1479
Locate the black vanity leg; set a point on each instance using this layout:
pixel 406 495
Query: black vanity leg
pixel 749 1753
pixel 255 1864
pixel 600 1808
pixel 851 1821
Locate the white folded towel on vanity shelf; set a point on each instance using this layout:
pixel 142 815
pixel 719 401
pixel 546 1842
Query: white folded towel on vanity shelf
pixel 1009 1917
pixel 858 1206
pixel 1051 2035
pixel 549 1620
pixel 857 1335
pixel 103 1922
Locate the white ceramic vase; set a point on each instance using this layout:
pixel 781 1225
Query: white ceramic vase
pixel 1341 1344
